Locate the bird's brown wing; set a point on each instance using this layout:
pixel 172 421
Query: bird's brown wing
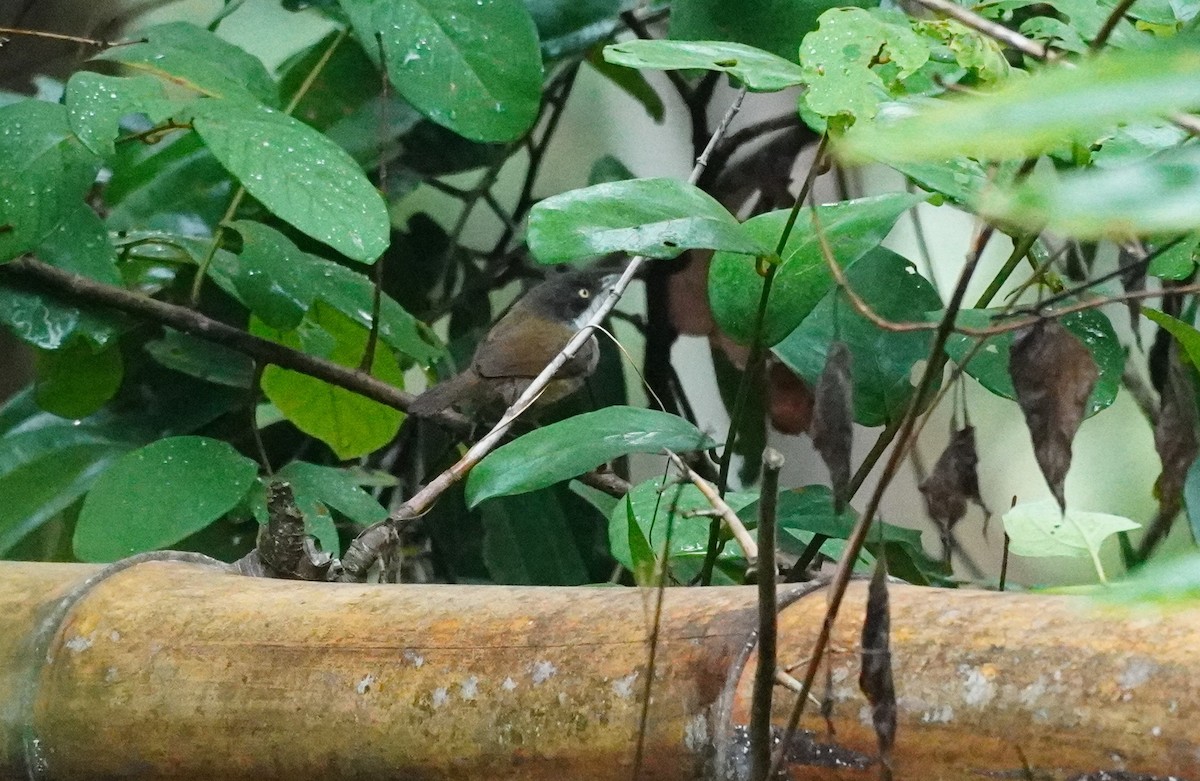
pixel 513 349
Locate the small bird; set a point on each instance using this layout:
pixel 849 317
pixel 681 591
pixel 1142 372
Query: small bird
pixel 520 345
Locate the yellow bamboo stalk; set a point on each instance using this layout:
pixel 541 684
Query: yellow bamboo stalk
pixel 177 670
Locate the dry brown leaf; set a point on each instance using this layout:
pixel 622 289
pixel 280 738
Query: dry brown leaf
pixel 1176 443
pixel 1053 375
pixel 833 418
pixel 875 677
pixel 954 481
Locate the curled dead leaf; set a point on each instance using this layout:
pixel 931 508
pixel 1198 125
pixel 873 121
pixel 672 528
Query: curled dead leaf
pixel 953 482
pixel 875 678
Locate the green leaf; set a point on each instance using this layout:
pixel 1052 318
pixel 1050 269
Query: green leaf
pixel 1041 529
pixel 77 379
pixel 46 173
pixel 643 562
pixel 96 104
pixel 650 507
pixel 42 487
pixel 41 321
pixel 159 494
pixel 990 364
pixel 1154 196
pixel 883 360
pixel 852 228
pixel 472 66
pixel 774 25
pixel 279 283
pixel 528 541
pixel 759 70
pixel 842 57
pixel 298 174
pixel 350 424
pixel 202 359
pixel 659 218
pixel 569 448
pixel 960 179
pixel 1176 262
pixel 185 54
pixel 1047 111
pixel 80 244
pixel 1184 333
pixel 608 169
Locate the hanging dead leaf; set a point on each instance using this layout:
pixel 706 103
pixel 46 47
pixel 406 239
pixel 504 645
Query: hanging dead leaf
pixel 954 481
pixel 1176 443
pixel 1053 375
pixel 833 419
pixel 875 677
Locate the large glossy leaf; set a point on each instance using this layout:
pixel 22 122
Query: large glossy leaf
pixel 297 174
pixel 657 512
pixel 1051 109
pixel 659 218
pixel 775 25
pixel 279 283
pixel 45 175
pixel 96 103
pixel 159 494
pixel 852 228
pixel 473 66
pixel 990 364
pixel 183 53
pixel 528 541
pixel 759 70
pixel 569 448
pixel 352 425
pixel 883 360
pixel 1153 196
pixel 202 359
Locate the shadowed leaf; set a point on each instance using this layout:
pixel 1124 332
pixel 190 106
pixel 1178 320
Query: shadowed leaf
pixel 1053 375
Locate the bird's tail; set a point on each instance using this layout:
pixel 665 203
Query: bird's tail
pixel 456 390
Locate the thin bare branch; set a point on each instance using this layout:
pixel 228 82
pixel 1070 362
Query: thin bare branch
pixel 724 511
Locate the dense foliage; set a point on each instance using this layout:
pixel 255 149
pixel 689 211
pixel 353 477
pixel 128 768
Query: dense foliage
pixel 176 168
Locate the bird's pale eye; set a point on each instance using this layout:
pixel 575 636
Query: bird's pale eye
pixel 584 292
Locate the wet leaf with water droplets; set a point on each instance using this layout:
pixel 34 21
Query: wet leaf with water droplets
pixel 96 103
pixel 298 174
pixel 159 494
pixel 473 67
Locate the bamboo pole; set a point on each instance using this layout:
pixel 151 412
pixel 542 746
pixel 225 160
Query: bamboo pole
pixel 176 670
